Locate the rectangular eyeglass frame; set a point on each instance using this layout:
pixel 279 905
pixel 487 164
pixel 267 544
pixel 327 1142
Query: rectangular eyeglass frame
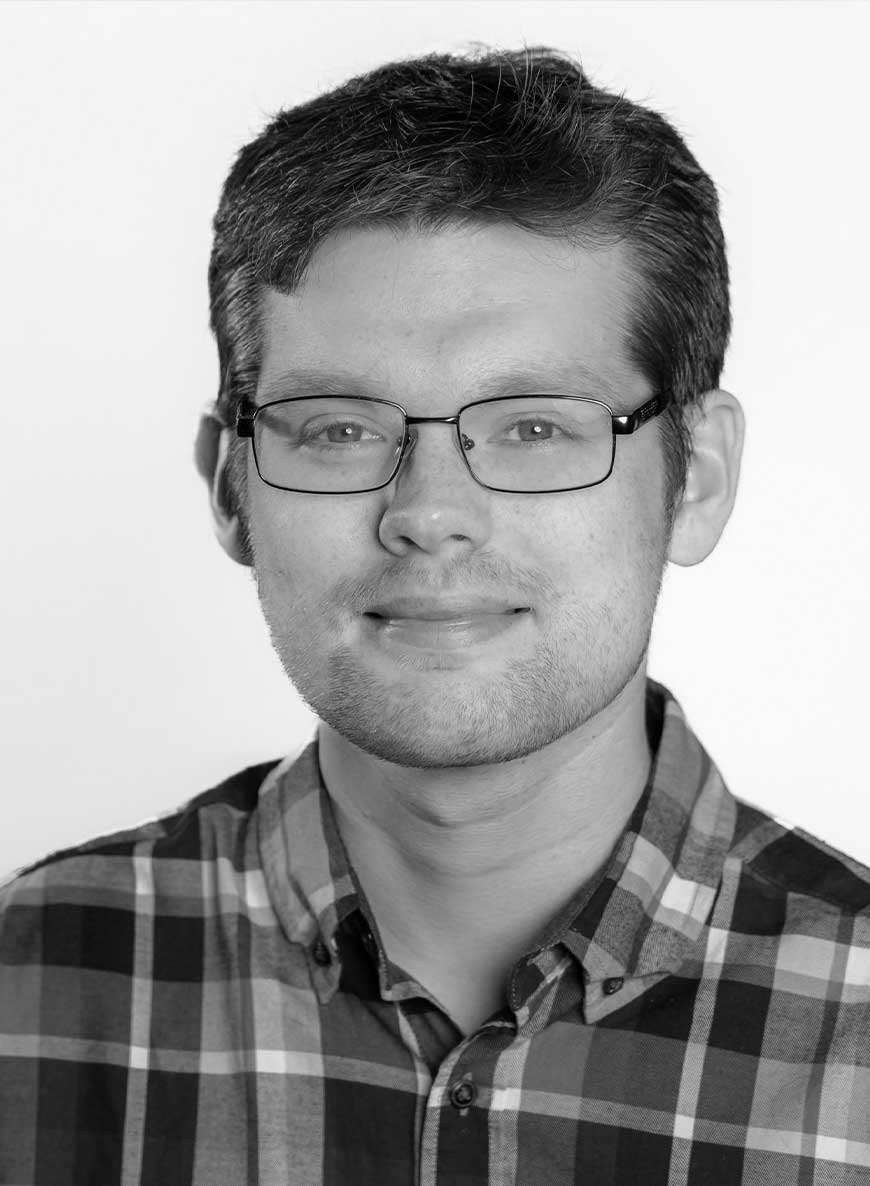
pixel 620 426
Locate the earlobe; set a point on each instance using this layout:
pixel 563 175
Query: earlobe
pixel 711 485
pixel 212 462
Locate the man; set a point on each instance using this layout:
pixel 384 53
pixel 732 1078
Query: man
pixel 501 922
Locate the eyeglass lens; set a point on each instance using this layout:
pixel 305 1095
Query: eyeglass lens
pixel 527 443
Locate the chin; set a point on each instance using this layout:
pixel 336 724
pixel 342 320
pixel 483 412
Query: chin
pixel 435 722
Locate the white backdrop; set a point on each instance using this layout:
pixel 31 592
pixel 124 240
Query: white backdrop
pixel 136 667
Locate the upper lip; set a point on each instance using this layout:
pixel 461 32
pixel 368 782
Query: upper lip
pixel 441 609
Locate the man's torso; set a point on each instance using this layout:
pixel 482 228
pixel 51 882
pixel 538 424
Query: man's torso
pixel 204 1002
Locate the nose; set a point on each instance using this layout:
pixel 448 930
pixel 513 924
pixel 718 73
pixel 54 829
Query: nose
pixel 433 502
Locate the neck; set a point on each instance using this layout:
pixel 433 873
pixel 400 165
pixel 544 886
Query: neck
pixel 441 853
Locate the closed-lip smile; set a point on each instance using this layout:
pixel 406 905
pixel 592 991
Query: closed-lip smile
pixel 426 609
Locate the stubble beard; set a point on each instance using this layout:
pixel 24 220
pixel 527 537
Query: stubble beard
pixel 441 719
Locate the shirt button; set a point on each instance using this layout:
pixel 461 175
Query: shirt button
pixel 612 985
pixel 321 955
pixel 462 1094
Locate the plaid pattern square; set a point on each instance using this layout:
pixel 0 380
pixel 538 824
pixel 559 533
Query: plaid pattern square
pixel 204 1000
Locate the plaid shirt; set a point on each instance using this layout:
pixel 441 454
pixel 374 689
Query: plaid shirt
pixel 205 1000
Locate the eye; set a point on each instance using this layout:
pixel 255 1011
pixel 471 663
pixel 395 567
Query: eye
pixel 338 432
pixel 541 429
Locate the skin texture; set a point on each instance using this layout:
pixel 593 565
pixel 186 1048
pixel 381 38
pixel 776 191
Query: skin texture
pixel 504 774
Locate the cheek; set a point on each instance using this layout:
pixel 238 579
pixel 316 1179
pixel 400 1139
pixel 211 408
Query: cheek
pixel 641 525
pixel 303 551
pixel 609 535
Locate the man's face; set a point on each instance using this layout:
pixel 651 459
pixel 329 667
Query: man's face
pixel 433 321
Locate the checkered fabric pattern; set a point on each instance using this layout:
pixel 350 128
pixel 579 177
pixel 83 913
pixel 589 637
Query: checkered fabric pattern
pixel 205 1000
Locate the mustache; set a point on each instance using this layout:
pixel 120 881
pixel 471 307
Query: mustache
pixel 462 579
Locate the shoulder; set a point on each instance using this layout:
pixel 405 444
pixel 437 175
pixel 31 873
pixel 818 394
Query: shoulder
pixel 793 916
pixel 96 944
pixel 790 953
pixel 62 891
pixel 787 859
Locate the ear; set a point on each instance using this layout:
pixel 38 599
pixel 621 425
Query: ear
pixel 711 485
pixel 212 458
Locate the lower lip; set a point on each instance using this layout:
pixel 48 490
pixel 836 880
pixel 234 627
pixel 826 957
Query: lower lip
pixel 449 634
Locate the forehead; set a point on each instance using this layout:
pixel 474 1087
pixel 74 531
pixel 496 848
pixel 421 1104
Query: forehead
pixel 417 306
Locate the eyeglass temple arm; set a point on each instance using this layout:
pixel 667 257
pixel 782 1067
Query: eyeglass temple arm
pixel 217 414
pixel 625 425
pixel 245 421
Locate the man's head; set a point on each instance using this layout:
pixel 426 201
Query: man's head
pixel 431 233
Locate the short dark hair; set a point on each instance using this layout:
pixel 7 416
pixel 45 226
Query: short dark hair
pixel 497 136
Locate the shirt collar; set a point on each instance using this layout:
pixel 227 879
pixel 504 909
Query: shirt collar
pixel 306 868
pixel 639 921
pixel 648 913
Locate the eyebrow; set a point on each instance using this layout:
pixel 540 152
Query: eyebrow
pixel 522 379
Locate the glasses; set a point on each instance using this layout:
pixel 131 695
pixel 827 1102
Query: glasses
pixel 526 444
